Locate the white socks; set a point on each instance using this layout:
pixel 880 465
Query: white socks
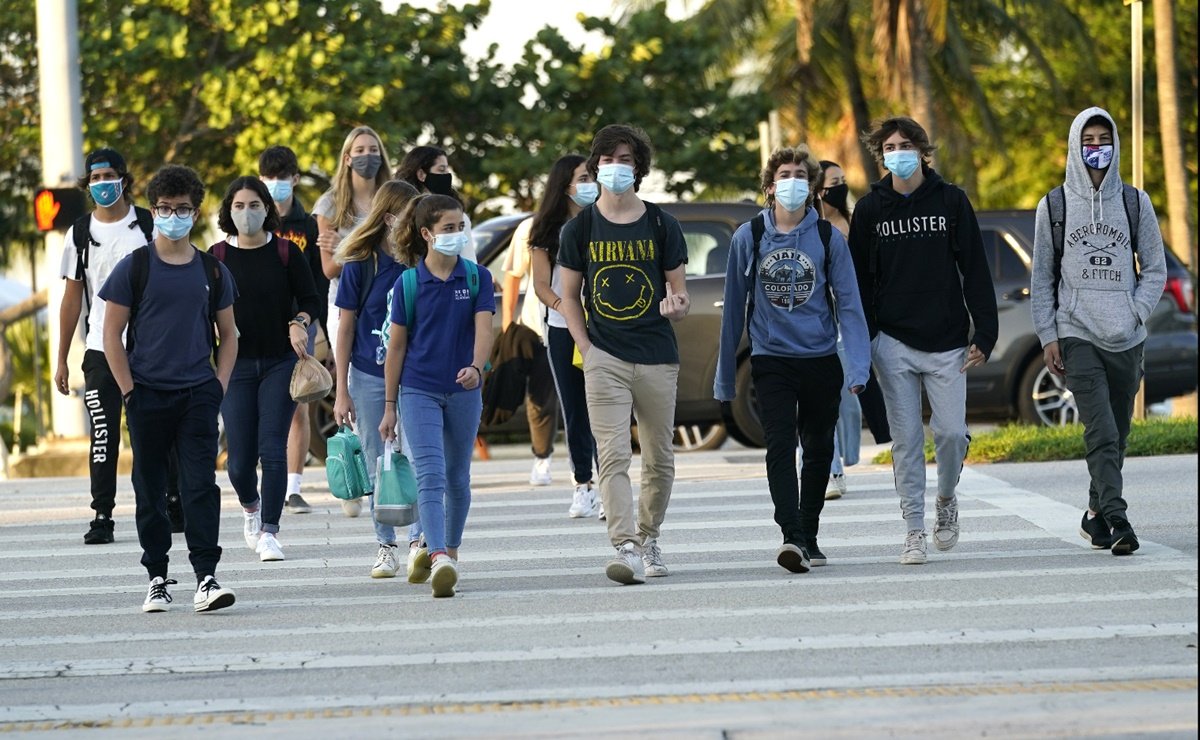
pixel 293 485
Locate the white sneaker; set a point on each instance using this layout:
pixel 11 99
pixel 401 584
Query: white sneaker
pixel 385 563
pixel 652 560
pixel 626 566
pixel 540 475
pixel 945 532
pixel 352 507
pixel 268 548
pixel 444 576
pixel 837 487
pixel 600 510
pixel 157 598
pixel 252 527
pixel 914 548
pixel 583 502
pixel 418 564
pixel 211 596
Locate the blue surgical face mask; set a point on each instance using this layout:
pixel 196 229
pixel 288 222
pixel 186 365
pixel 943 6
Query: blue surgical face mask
pixel 585 194
pixel 1097 156
pixel 451 245
pixel 280 190
pixel 791 193
pixel 902 163
pixel 173 227
pixel 106 192
pixel 616 178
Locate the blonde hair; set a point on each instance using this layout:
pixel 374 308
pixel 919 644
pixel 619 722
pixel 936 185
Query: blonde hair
pixel 343 189
pixel 793 155
pixel 423 212
pixel 391 197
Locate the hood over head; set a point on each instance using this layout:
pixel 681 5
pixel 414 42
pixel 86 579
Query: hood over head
pixel 1078 178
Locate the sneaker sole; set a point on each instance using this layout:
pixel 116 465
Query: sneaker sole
pixel 793 561
pixel 657 573
pixel 221 602
pixel 96 541
pixel 297 510
pixel 833 495
pixel 383 573
pixel 443 583
pixel 913 559
pixel 816 562
pixel 268 557
pixel 1125 546
pixel 154 608
pixel 944 546
pixel 623 574
pixel 1084 534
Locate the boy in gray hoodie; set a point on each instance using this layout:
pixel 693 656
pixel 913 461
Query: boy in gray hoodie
pixel 790 283
pixel 1090 305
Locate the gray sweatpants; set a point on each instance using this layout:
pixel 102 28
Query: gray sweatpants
pixel 902 372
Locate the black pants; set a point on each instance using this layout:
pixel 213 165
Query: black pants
pixel 187 421
pixel 568 380
pixel 798 399
pixel 875 410
pixel 102 399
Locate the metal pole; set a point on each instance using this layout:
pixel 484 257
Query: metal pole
pixel 62 162
pixel 1135 34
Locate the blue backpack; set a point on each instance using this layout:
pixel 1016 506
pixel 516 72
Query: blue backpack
pixel 346 466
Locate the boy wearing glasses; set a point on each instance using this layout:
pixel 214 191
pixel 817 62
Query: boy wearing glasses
pixel 164 292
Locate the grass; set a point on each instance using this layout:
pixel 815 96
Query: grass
pixel 1027 443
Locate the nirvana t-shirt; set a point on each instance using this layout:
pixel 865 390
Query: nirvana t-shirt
pixel 624 270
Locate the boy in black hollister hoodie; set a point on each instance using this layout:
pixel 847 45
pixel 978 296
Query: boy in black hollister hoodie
pixel 924 280
pixel 1090 305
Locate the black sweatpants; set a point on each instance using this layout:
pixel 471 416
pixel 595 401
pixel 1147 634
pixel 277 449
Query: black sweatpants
pixel 798 399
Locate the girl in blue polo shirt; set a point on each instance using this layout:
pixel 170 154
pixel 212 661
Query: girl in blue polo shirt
pixel 440 339
pixel 368 271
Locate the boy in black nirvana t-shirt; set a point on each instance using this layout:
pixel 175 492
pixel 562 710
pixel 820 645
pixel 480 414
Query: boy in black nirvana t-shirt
pixel 628 258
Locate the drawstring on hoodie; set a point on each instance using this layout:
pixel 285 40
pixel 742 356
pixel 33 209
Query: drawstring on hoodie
pixel 1097 193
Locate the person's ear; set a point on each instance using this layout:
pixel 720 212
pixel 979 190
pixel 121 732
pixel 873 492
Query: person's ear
pixel 421 175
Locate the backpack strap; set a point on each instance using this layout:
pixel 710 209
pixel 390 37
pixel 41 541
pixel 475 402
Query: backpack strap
pixel 282 248
pixel 218 250
pixel 472 278
pixel 145 222
pixel 81 235
pixel 369 280
pixel 582 234
pixel 1133 214
pixel 139 272
pixel 216 287
pixel 1056 203
pixel 950 193
pixel 825 231
pixel 408 280
pixel 758 227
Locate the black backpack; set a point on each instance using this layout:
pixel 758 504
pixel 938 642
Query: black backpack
pixel 139 274
pixel 758 227
pixel 584 232
pixel 1057 203
pixel 81 234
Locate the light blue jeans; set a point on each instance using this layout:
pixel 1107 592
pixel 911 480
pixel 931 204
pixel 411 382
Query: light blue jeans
pixel 441 429
pixel 367 393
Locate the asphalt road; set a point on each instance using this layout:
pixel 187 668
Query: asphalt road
pixel 1021 630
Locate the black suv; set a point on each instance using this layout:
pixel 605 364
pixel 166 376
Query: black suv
pixel 1012 385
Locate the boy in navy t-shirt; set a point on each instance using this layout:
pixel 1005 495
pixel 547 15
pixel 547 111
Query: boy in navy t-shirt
pixel 172 394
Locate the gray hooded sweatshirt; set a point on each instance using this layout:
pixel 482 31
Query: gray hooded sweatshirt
pixel 1099 299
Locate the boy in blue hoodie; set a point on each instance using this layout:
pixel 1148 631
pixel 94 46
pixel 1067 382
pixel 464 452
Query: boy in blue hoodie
pixel 1090 306
pixel 790 283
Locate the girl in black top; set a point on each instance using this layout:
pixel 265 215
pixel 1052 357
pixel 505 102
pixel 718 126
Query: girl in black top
pixel 276 302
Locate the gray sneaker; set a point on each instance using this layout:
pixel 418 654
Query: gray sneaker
pixel 652 559
pixel 914 548
pixel 626 566
pixel 945 532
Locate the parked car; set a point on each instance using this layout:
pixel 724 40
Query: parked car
pixel 1014 384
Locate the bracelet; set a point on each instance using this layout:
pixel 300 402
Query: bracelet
pixel 554 306
pixel 477 372
pixel 387 401
pixel 126 396
pixel 299 321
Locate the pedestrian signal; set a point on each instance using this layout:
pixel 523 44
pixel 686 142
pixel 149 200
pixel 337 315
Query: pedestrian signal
pixel 55 209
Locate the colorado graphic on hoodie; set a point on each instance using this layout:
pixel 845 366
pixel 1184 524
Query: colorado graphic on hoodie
pixel 791 316
pixel 1100 299
pixel 921 266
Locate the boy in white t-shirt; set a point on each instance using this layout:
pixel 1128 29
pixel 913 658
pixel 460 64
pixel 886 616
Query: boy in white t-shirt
pixel 93 246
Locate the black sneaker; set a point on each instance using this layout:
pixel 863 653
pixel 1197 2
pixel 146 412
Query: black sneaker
pixel 793 557
pixel 175 512
pixel 815 556
pixel 101 531
pixel 1124 541
pixel 296 504
pixel 1095 531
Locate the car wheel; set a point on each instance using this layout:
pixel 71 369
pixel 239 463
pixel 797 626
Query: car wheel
pixel 743 422
pixel 699 437
pixel 321 427
pixel 1043 398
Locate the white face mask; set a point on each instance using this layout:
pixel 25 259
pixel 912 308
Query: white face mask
pixel 616 177
pixel 450 245
pixel 585 194
pixel 791 193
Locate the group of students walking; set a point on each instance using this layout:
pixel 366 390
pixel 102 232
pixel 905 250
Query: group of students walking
pixel 177 335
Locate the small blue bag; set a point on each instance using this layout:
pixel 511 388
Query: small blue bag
pixel 395 489
pixel 346 466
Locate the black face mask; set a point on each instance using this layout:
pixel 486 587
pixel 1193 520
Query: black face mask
pixel 836 196
pixel 439 183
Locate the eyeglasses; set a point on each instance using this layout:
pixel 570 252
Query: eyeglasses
pixel 166 211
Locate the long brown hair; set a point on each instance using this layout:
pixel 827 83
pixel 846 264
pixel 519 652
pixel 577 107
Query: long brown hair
pixel 343 188
pixel 555 208
pixel 392 197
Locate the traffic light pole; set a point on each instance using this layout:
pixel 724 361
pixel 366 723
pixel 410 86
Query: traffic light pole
pixel 62 162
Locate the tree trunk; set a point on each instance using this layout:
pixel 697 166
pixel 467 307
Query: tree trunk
pixel 1174 156
pixel 804 30
pixel 854 87
pixel 921 86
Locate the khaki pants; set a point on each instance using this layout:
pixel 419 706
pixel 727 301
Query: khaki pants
pixel 616 388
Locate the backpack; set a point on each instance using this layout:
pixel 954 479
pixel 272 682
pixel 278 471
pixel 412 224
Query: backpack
pixel 281 248
pixel 758 227
pixel 81 234
pixel 1057 204
pixel 346 466
pixel 139 274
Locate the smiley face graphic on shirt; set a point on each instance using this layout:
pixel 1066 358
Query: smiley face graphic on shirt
pixel 622 292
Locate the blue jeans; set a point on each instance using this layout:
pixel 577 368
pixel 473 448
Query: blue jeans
pixel 258 410
pixel 368 393
pixel 441 428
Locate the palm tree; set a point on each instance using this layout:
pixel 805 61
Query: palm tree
pixel 1174 155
